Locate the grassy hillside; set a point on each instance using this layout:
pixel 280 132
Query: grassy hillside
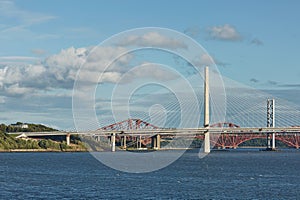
pixel 9 142
pixel 31 128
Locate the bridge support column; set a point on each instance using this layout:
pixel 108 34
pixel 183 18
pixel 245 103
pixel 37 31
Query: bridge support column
pixel 113 142
pixel 206 147
pixel 155 142
pixel 68 137
pixel 206 142
pixel 268 141
pixel 158 141
pixel 273 141
pixel 124 142
pixel 97 138
pixel 140 141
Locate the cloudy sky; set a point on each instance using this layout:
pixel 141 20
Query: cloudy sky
pixel 44 43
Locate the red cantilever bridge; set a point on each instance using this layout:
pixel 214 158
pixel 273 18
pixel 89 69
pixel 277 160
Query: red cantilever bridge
pixel 228 135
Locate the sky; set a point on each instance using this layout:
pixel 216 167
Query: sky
pixel 42 44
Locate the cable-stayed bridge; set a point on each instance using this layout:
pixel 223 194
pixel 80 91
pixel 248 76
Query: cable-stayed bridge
pixel 244 114
pixel 141 134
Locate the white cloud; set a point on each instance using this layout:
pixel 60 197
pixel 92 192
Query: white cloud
pixel 34 71
pixel 17 60
pixel 112 77
pixel 105 64
pixel 225 32
pixel 68 58
pixel 59 71
pixel 152 39
pixel 207 60
pixel 100 57
pixel 10 75
pixel 17 90
pixel 2 99
pixel 154 71
pixel 15 74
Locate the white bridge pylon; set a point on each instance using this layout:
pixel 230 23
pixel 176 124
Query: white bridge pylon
pixel 206 145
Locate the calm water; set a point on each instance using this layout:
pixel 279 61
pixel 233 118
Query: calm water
pixel 220 175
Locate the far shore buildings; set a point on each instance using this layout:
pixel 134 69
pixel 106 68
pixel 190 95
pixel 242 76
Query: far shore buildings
pixel 19 125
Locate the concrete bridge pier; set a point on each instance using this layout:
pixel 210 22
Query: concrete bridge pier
pixel 113 142
pixel 273 141
pixel 140 142
pixel 98 138
pixel 137 142
pixel 124 145
pixel 68 137
pixel 155 142
pixel 268 141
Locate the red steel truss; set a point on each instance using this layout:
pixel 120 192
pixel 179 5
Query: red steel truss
pixel 225 140
pixel 234 140
pixel 130 124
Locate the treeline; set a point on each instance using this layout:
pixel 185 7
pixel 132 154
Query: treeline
pixel 31 128
pixel 8 142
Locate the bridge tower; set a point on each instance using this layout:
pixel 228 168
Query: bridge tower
pixel 206 111
pixel 271 122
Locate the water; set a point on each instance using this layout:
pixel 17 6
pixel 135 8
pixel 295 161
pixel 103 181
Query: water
pixel 220 175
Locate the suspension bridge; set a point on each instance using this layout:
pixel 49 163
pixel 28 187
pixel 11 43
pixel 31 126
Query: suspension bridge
pixel 250 115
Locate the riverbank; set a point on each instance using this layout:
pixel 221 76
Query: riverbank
pixel 41 150
pixel 9 143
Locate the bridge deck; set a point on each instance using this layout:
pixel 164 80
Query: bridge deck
pixel 179 132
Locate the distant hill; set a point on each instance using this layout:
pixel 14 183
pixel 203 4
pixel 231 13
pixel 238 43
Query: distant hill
pixel 24 127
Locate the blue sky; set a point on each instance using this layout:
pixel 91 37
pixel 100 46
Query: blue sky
pixel 253 42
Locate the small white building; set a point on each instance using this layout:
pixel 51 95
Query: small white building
pixel 20 125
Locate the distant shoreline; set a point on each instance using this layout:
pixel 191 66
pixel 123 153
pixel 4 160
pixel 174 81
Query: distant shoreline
pixel 130 150
pixel 39 150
